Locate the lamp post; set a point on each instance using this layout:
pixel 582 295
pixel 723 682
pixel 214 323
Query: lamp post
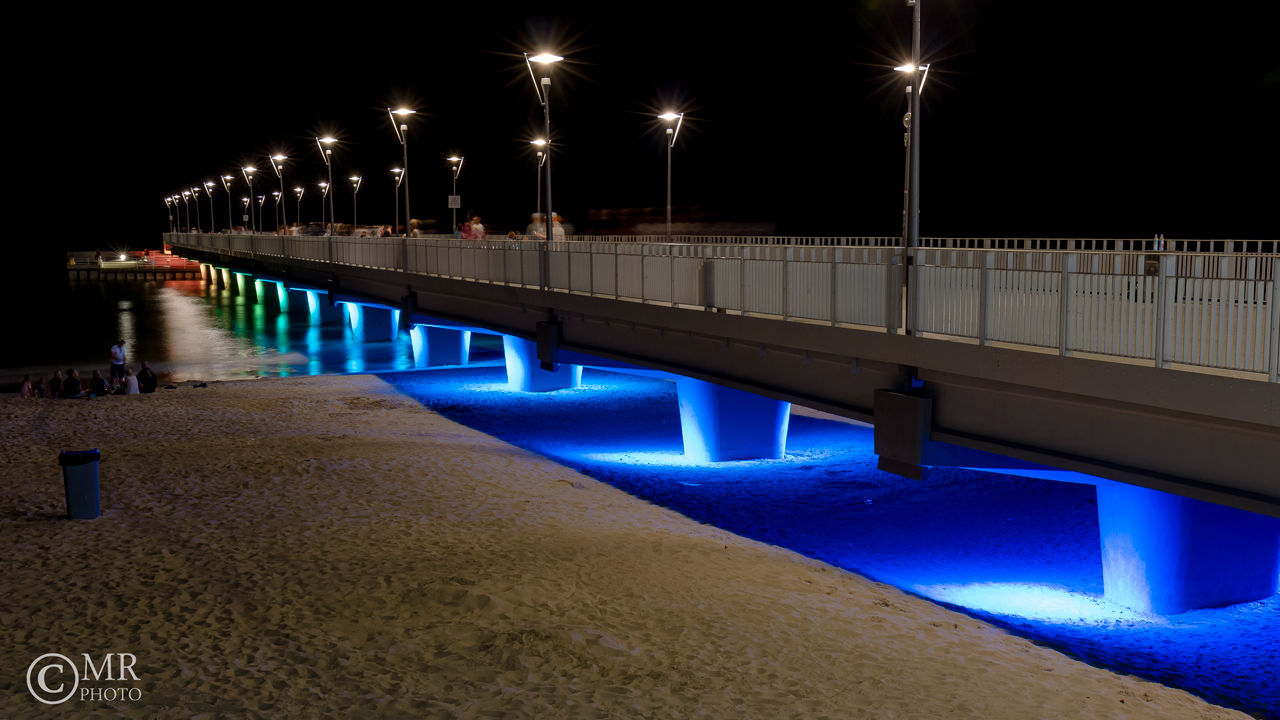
pixel 456 169
pixel 395 224
pixel 918 74
pixel 355 210
pixel 542 158
pixel 275 161
pixel 299 191
pixel 246 206
pixel 402 133
pixel 275 211
pixel 546 60
pixel 324 193
pixel 248 178
pixel 186 197
pixel 671 143
pixel 226 185
pixel 208 191
pixel 262 200
pixel 195 195
pixel 177 209
pixel 169 208
pixel 328 161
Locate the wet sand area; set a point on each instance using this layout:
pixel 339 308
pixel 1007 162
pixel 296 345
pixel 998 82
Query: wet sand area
pixel 327 547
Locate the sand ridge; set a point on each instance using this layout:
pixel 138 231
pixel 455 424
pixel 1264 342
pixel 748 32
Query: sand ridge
pixel 326 547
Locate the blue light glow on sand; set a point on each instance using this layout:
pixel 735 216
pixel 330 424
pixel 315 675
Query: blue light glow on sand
pixel 1021 553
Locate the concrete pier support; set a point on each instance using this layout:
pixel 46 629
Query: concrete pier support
pixel 297 302
pixel 268 296
pixel 322 313
pixel 434 346
pixel 1168 554
pixel 206 273
pixel 371 324
pixel 524 372
pixel 246 287
pixel 223 277
pixel 720 423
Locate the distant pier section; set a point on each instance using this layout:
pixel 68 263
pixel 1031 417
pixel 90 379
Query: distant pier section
pixel 103 266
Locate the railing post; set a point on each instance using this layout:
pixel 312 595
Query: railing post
pixel 892 291
pixel 742 281
pixel 1273 306
pixel 1066 304
pixel 985 296
pixel 1163 348
pixel 617 292
pixel 706 279
pixel 671 275
pixel 912 321
pixel 835 302
pixel 786 277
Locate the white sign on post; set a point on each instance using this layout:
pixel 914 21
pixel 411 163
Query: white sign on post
pixel 455 201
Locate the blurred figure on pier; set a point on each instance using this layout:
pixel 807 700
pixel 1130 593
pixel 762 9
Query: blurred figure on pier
pixel 147 379
pixel 557 227
pixel 538 228
pixel 477 228
pixel 414 228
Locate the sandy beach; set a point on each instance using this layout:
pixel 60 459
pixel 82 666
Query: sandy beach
pixel 327 547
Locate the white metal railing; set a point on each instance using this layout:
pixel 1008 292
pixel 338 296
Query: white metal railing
pixel 1212 310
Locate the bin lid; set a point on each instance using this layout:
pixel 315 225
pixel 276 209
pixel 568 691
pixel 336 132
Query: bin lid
pixel 78 457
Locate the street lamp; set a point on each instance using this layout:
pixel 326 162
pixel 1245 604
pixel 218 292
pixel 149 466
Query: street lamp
pixel 402 134
pixel 299 191
pixel 355 211
pixel 248 177
pixel 542 158
pixel 395 225
pixel 186 196
pixel 324 193
pixel 246 206
pixel 169 208
pixel 328 158
pixel 918 73
pixel 546 60
pixel 226 185
pixel 671 143
pixel 208 191
pixel 177 209
pixel 275 214
pixel 275 165
pixel 456 169
pixel 195 195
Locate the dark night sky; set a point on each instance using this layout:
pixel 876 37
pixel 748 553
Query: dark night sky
pixel 1040 119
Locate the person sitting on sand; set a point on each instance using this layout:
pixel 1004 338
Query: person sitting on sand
pixel 97 384
pixel 71 385
pixel 26 390
pixel 147 379
pixel 55 385
pixel 130 383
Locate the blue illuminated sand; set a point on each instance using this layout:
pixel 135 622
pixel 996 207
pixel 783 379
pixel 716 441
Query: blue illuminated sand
pixel 1020 553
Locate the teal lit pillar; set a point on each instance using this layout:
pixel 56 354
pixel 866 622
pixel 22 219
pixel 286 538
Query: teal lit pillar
pixel 268 297
pixel 246 286
pixel 322 313
pixel 719 423
pixel 524 372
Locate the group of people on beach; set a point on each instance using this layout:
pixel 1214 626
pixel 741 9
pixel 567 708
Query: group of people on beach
pixel 122 381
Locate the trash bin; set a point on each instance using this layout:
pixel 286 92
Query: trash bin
pixel 80 476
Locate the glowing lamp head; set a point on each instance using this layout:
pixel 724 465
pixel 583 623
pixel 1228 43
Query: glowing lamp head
pixel 249 169
pixel 324 184
pixel 395 170
pixel 278 157
pixel 539 142
pixel 122 257
pixel 906 68
pixel 545 58
pixel 404 111
pixel 228 177
pixel 455 159
pixel 328 140
pixel 354 177
pixel 669 116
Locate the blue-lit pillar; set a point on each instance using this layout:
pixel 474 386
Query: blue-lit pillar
pixel 1168 554
pixel 371 324
pixel 322 313
pixel 268 296
pixel 719 423
pixel 434 346
pixel 525 373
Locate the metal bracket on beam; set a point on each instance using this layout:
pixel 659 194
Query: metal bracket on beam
pixel 549 345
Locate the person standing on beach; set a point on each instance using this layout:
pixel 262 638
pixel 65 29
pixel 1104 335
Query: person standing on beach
pixel 117 363
pixel 147 379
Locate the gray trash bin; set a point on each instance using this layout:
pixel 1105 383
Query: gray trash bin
pixel 80 476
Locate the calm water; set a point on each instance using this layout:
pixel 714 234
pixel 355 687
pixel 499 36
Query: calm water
pixel 187 331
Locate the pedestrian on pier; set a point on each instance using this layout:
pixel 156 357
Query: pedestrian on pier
pixel 117 363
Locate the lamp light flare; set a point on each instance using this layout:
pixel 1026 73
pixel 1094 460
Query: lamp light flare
pixel 545 58
pixel 279 157
pixel 354 177
pixel 328 140
pixel 455 159
pixel 539 141
pixel 906 68
pixel 669 116
pixel 404 111
pixel 249 169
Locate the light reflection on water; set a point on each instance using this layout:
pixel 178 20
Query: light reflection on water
pixel 188 331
